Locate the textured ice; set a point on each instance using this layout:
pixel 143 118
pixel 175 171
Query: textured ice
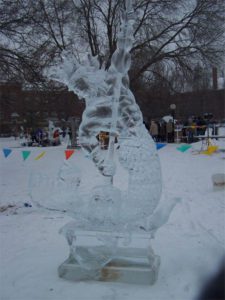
pixel 59 192
pixel 111 108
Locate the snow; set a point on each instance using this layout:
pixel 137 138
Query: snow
pixel 191 244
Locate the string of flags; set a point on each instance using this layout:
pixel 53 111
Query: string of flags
pixel 181 148
pixel 68 153
pixel 26 153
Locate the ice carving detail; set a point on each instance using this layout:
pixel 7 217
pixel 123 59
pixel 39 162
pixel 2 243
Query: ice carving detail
pixel 111 107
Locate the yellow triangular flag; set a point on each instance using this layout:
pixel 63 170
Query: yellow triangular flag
pixel 210 150
pixel 40 155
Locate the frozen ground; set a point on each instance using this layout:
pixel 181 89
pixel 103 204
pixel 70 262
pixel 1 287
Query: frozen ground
pixel 191 244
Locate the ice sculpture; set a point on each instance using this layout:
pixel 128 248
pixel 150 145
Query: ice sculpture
pixel 51 129
pixel 110 221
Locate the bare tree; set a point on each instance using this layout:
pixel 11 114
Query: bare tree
pixel 32 33
pixel 13 60
pixel 170 37
pixel 180 34
pixel 175 34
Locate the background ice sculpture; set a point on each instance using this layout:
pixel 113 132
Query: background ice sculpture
pixel 111 107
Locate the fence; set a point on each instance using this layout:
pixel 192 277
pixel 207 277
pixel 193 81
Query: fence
pixel 190 134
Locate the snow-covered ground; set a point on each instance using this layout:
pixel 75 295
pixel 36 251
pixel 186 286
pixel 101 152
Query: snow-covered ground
pixel 191 244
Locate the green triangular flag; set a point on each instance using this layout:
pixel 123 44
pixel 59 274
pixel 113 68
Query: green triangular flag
pixel 183 148
pixel 25 154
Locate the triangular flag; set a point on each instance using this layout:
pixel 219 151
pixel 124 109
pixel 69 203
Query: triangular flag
pixel 69 153
pixel 159 146
pixel 25 154
pixel 7 152
pixel 40 155
pixel 210 150
pixel 183 148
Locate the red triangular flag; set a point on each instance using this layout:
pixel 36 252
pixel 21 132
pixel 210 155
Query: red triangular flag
pixel 69 153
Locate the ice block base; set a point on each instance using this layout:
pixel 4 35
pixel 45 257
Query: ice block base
pixel 129 266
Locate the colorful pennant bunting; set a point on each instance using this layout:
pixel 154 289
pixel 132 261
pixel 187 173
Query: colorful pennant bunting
pixel 68 153
pixel 25 154
pixel 40 155
pixel 183 148
pixel 160 145
pixel 6 152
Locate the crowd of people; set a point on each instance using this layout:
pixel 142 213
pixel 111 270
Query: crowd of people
pixel 42 137
pixel 161 131
pixel 182 130
pixel 165 129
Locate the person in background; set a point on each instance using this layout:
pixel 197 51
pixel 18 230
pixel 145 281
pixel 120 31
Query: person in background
pixel 69 132
pixel 103 138
pixel 162 131
pixel 44 141
pixel 154 130
pixel 64 132
pixel 201 126
pixel 56 140
pixel 214 125
pixel 169 131
pixel 191 130
pixel 39 136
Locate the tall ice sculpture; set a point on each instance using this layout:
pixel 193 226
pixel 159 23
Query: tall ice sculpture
pixel 110 237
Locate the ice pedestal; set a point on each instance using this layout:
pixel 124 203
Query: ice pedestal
pixel 130 266
pixel 104 256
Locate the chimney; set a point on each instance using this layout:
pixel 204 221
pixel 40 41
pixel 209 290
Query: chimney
pixel 214 78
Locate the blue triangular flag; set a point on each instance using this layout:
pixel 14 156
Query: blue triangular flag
pixel 159 146
pixel 7 152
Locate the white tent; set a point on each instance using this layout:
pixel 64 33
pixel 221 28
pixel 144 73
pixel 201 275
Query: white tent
pixel 167 118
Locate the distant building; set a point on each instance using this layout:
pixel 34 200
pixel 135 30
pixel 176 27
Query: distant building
pixel 188 104
pixel 34 108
